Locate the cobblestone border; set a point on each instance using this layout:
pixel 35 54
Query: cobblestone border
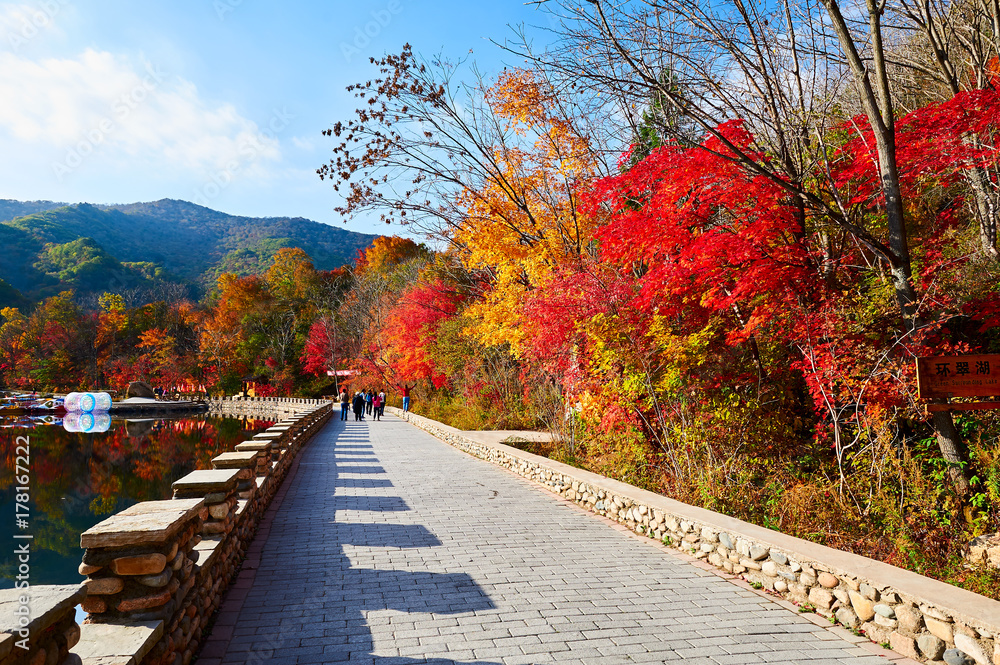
pixel 920 618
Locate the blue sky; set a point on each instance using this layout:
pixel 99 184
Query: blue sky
pixel 220 102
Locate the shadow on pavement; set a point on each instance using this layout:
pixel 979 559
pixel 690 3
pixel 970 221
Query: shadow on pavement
pixel 322 598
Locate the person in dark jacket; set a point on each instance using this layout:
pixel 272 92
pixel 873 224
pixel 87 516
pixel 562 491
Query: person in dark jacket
pixel 359 405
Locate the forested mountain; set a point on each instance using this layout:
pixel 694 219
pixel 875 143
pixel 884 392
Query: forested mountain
pixel 153 249
pixel 10 209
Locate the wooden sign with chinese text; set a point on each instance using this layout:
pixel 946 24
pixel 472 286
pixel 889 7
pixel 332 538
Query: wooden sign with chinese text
pixel 942 377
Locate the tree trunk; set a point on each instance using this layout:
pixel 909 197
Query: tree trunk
pixel 950 444
pixel 876 98
pixel 985 209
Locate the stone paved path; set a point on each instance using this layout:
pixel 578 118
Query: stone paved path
pixel 390 546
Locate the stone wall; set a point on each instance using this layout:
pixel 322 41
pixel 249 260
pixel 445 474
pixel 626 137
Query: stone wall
pixel 157 571
pixel 261 407
pixel 920 617
pixel 38 625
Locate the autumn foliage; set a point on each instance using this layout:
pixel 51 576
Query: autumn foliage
pixel 692 324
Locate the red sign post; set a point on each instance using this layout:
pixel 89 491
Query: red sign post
pixel 945 377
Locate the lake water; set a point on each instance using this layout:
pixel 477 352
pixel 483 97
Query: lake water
pixel 78 480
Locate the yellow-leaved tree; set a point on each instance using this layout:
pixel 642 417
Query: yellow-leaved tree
pixel 523 224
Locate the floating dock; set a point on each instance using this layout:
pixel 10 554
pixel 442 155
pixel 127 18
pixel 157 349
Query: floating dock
pixel 146 406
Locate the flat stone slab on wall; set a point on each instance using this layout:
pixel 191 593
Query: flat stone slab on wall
pixel 45 602
pixel 149 522
pixel 49 629
pixel 117 644
pixel 238 460
pixel 207 480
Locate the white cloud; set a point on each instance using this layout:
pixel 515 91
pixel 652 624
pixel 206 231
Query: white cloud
pixel 132 113
pixel 20 23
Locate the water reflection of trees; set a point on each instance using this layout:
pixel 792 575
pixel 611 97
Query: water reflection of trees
pixel 79 479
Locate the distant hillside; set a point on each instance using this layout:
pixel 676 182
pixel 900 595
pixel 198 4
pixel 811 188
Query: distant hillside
pixel 149 246
pixel 10 209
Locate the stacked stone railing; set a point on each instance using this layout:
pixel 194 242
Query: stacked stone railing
pixel 157 571
pixel 260 406
pixel 917 616
pixel 38 625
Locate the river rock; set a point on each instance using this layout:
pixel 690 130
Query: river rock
pixel 757 553
pixel 904 645
pixel 910 620
pixel 939 629
pixel 104 586
pixel 985 548
pixel 875 633
pixel 884 610
pixel 213 528
pixel 86 569
pixel 156 581
pixel 726 541
pixel 219 511
pixel 932 647
pixel 145 564
pixel 863 606
pixel 821 598
pixel 94 605
pixel 972 648
pixel 769 568
pixel 868 591
pixel 778 557
pixel 828 580
pixel 886 623
pixel 847 617
pixel 956 657
pixel 144 602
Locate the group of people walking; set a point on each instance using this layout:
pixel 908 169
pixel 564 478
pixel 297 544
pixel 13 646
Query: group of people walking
pixel 370 402
pixel 364 401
